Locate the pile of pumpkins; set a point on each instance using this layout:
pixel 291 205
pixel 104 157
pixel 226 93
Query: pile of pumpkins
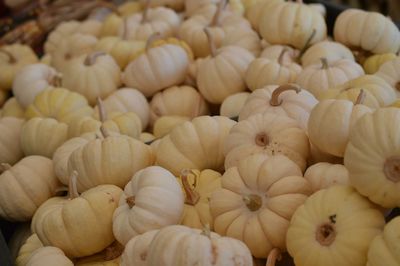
pixel 201 132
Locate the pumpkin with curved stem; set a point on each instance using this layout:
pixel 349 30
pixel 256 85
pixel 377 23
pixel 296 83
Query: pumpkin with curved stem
pixel 49 256
pixel 136 249
pixel 195 145
pixel 374 62
pixel 64 221
pixel 269 134
pixel 288 100
pixel 93 75
pixel 178 101
pixel 11 150
pixel 331 122
pixel 257 199
pixel 222 73
pixel 12 59
pixel 324 175
pixel 174 244
pixel 372 157
pixel 31 244
pixel 12 108
pixel 262 72
pixel 233 104
pixel 60 104
pixel 165 124
pixel 324 75
pixel 390 72
pixel 330 50
pixel 326 222
pixel 198 187
pixel 274 52
pixel 33 79
pixel 382 36
pixel 151 200
pixel 42 136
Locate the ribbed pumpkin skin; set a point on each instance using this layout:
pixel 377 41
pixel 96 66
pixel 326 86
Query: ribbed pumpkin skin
pixel 31 244
pixel 49 256
pixel 10 147
pixel 136 250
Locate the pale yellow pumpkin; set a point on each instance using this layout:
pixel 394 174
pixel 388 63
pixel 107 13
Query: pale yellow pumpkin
pixel 269 134
pixel 242 37
pixel 287 53
pixel 111 25
pixel 12 59
pixel 31 244
pixel 93 75
pixel 330 50
pixel 136 250
pixel 129 8
pixel 333 227
pixel 233 104
pixel 47 256
pixel 10 147
pixel 166 124
pixel 12 108
pixel 151 200
pixel 257 200
pixel 382 35
pixel 373 63
pixel 83 125
pixel 195 145
pixel 255 10
pixel 25 186
pixel 325 175
pixel 42 136
pixel 390 71
pixel 372 157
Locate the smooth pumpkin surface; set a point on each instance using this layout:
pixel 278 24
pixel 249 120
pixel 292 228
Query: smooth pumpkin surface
pixel 324 175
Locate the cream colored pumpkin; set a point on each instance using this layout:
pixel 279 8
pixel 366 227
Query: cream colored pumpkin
pixel 33 79
pixel 287 100
pixel 331 122
pixel 242 37
pixel 136 250
pixel 166 124
pixel 255 10
pixel 325 175
pixel 60 104
pixel 178 101
pixel 83 125
pixel 233 104
pixel 269 134
pixel 12 59
pixel 383 250
pixel 287 53
pixel 64 222
pixel 42 136
pixel 302 25
pixel 151 200
pixel 94 75
pixel 31 244
pixel 372 157
pixel 390 72
pixel 324 75
pixel 147 137
pixel 25 186
pixel 333 227
pixel 47 256
pixel 198 187
pixel 10 147
pixel 381 37
pixel 373 63
pixel 111 25
pixel 173 245
pixel 330 50
pixel 193 6
pixel 257 200
pixel 195 145
pixel 12 108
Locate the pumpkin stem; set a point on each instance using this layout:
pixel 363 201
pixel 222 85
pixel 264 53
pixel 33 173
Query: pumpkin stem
pixel 56 81
pixel 11 57
pixel 155 36
pixel 307 44
pixel 253 202
pixel 104 131
pixel 192 197
pixel 5 166
pixel 217 15
pixel 262 139
pixel 361 97
pixel 282 55
pixel 211 43
pixel 273 256
pixel 102 110
pixel 73 190
pixel 206 231
pixel 114 251
pixel 124 29
pixel 91 58
pixel 145 11
pixel 326 234
pixel 274 101
pixel 391 168
pixel 324 62
pixel 130 201
pixel 397 86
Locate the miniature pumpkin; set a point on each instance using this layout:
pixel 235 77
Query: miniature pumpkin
pixel 324 175
pixel 11 151
pixel 222 73
pixel 324 75
pixel 158 68
pixel 180 101
pixel 128 8
pixel 93 75
pixel 372 157
pixel 12 108
pixel 337 224
pixel 269 134
pixel 83 125
pixel 195 145
pixel 331 51
pixel 31 244
pixel 255 10
pixel 374 62
pixel 382 36
pixel 64 221
pixel 285 53
pixel 60 104
pixel 136 249
pixel 46 256
pixel 390 72
pixel 242 37
pixel 331 122
pixel 257 200
pixel 262 72
pixel 12 59
pixel 111 25
pixel 165 124
pixel 288 100
pixel 198 187
pixel 25 186
pixel 383 250
pixel 233 104
pixel 151 200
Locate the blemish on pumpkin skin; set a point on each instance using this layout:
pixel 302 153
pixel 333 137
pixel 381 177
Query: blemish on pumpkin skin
pixel 332 218
pixel 143 256
pixel 112 198
pixel 214 253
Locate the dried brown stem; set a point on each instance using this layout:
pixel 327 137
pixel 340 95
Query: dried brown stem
pixel 211 43
pixel 146 11
pixel 102 110
pixel 324 63
pixel 278 91
pixel 273 256
pixel 361 97
pixel 91 58
pixel 253 202
pixel 72 188
pixel 192 196
pixel 216 18
pixel 154 37
pixel 11 57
